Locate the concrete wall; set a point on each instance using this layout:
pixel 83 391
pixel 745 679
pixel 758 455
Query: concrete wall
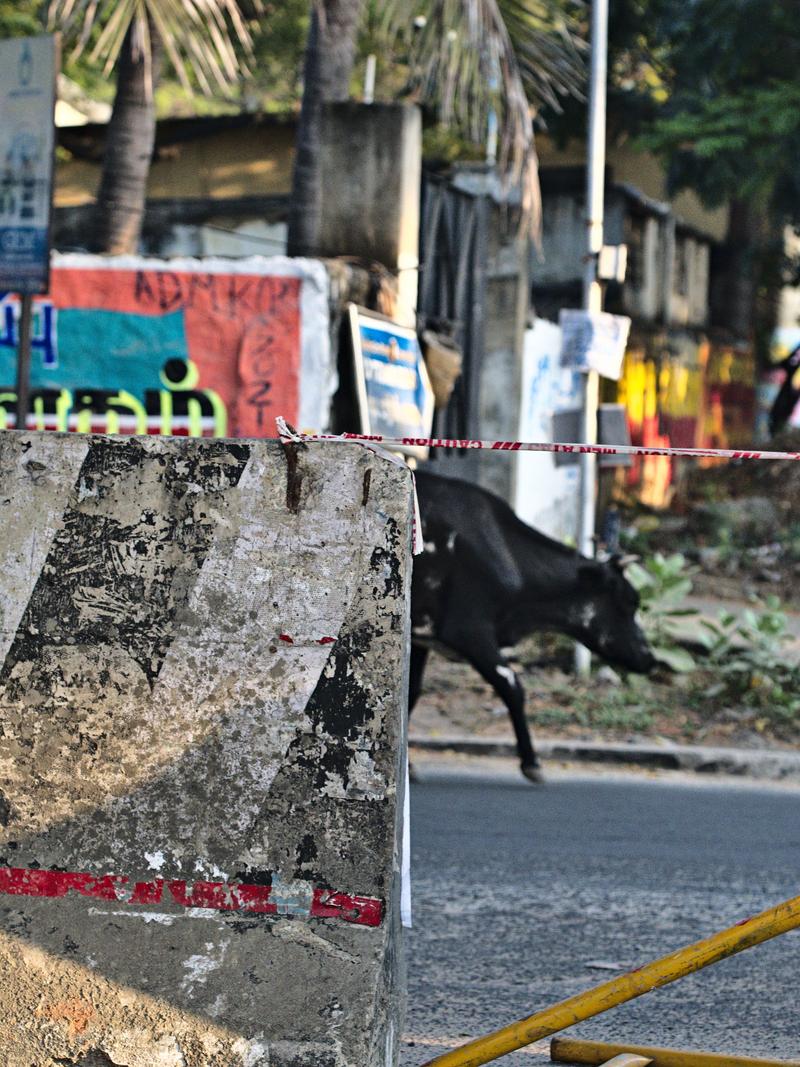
pixel 213 158
pixel 643 292
pixel 371 162
pixel 202 723
pixel 646 172
pixel 217 185
pixel 507 308
pixel 663 278
pixel 689 302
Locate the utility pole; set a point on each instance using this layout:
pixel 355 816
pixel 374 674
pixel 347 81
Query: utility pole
pixel 24 360
pixel 592 291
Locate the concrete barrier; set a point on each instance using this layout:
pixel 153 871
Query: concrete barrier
pixel 202 723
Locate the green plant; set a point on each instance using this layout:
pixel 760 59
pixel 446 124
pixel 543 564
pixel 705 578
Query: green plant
pixel 663 583
pixel 747 655
pixel 612 714
pixel 554 717
pixel 620 708
pixel 637 536
pixel 792 542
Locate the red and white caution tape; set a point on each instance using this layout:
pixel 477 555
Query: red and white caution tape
pixel 288 433
pixel 532 446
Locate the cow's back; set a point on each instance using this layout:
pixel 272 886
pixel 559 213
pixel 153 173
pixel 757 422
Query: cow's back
pixel 466 557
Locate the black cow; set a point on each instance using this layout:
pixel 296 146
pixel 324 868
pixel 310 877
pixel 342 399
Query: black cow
pixel 486 579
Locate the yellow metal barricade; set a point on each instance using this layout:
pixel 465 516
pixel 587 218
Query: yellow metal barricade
pixel 661 972
pixel 572 1050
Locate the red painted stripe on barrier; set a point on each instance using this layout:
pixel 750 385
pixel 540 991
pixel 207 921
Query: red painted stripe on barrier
pixel 365 911
pixel 218 896
pixel 539 446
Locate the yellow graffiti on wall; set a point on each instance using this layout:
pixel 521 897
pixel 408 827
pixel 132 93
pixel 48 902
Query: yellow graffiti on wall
pixel 179 407
pixel 677 385
pixel 659 381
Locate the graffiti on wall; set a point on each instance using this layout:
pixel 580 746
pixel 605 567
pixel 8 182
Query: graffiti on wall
pixel 197 348
pixel 687 393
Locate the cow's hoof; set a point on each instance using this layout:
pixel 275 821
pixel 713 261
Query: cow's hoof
pixel 533 772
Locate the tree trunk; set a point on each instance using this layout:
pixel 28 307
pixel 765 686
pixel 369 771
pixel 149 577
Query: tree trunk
pixel 119 210
pixel 329 58
pixel 739 279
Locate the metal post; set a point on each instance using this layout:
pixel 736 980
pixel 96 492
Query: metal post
pixel 369 80
pixel 24 361
pixel 592 292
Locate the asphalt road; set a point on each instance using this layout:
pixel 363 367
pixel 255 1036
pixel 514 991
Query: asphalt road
pixel 518 891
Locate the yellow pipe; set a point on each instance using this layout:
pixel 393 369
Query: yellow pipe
pixel 571 1050
pixel 743 935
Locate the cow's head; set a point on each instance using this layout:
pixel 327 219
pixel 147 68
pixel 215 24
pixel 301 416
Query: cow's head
pixel 603 616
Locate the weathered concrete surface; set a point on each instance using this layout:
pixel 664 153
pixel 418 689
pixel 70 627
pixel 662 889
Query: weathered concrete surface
pixel 377 217
pixel 201 725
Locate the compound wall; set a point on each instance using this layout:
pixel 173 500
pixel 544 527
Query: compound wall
pixel 203 648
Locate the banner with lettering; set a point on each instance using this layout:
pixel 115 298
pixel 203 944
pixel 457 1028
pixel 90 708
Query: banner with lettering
pixel 204 348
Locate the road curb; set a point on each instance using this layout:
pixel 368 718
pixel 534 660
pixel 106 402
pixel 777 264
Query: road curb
pixel 766 764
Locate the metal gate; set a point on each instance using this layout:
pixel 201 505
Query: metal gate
pixel 453 254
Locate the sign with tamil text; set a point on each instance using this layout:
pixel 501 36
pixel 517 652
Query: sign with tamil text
pixel 201 348
pixel 28 67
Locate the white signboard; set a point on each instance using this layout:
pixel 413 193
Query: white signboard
pixel 546 494
pixel 28 68
pixel 394 394
pixel 594 341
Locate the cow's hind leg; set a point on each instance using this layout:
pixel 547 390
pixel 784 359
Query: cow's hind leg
pixel 494 668
pixel 419 657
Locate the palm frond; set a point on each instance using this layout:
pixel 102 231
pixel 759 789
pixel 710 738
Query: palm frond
pixel 207 42
pixel 470 59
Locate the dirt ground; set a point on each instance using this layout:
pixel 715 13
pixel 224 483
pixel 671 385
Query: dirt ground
pixel 456 701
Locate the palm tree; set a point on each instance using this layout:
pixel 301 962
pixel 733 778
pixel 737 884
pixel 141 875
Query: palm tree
pixel 478 63
pixel 199 38
pixel 328 66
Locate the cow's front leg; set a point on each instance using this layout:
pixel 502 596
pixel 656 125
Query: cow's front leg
pixel 505 682
pixel 495 669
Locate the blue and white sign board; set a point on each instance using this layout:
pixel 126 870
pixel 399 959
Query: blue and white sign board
pixel 394 394
pixel 594 341
pixel 28 67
